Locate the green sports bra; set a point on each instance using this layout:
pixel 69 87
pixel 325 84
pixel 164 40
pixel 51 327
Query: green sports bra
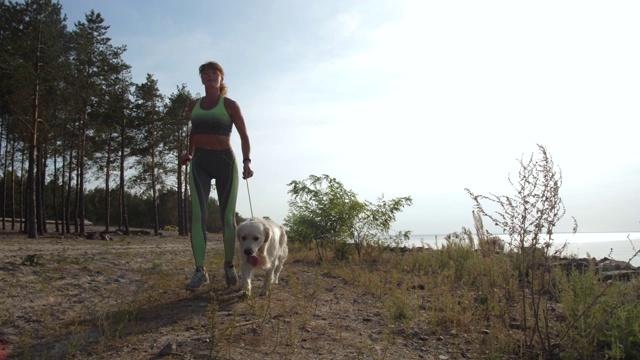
pixel 215 121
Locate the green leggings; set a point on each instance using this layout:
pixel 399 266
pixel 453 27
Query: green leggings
pixel 207 165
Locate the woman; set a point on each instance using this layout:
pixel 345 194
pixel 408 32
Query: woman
pixel 211 157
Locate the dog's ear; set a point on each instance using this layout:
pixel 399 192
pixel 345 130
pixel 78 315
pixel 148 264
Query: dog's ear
pixel 267 234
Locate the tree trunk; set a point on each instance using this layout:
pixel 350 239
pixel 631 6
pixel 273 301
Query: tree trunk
pixel 181 212
pixel 76 215
pixel 124 220
pixel 63 191
pixel 30 193
pixel 185 202
pixel 67 212
pixel 30 198
pixel 81 160
pixel 21 206
pixel 107 189
pixel 182 204
pixel 4 183
pixel 13 184
pixel 40 180
pixel 43 180
pixel 55 194
pixel 154 195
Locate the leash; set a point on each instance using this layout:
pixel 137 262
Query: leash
pixel 249 193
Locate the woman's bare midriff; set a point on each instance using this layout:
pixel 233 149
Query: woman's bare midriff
pixel 211 142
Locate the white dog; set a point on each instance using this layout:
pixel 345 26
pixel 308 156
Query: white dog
pixel 263 245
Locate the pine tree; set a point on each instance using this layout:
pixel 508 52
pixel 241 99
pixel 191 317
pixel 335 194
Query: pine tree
pixel 34 35
pixel 148 113
pixel 177 143
pixel 95 60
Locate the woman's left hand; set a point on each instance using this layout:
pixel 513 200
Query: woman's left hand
pixel 247 172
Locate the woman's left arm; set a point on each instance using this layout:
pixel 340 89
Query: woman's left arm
pixel 233 109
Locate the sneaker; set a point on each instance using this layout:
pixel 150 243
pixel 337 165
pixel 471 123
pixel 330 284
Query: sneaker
pixel 199 278
pixel 230 275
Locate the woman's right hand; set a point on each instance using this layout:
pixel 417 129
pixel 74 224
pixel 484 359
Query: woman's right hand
pixel 185 159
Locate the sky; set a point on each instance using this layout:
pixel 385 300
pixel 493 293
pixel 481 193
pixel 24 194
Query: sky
pixel 411 98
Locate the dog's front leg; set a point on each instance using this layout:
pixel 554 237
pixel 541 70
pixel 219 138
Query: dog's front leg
pixel 247 272
pixel 267 281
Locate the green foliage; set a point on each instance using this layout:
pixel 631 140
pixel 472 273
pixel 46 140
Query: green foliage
pixel 32 260
pixel 457 255
pixel 374 222
pixel 321 210
pixel 621 316
pixel 32 39
pixel 324 212
pixel 96 69
pixel 599 321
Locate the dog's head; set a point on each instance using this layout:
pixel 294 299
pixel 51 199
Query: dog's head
pixel 252 236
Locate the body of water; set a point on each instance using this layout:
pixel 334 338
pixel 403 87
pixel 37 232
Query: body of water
pixel 616 245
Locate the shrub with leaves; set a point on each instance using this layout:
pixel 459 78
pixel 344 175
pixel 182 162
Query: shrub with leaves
pixel 321 210
pixel 324 212
pixel 374 221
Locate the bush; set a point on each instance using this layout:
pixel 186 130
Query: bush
pixel 529 218
pixel 323 211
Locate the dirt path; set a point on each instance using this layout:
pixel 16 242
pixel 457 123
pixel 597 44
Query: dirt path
pixel 93 299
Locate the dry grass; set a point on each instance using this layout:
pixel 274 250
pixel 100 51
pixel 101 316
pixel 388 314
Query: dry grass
pixel 124 299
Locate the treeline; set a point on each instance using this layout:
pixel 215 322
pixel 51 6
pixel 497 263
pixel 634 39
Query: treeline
pixel 71 116
pixel 138 206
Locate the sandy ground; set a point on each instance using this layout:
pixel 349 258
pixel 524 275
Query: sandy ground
pixel 68 297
